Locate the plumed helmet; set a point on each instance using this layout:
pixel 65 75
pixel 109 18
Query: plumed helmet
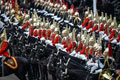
pixel 12 11
pixel 76 13
pixel 102 15
pixel 52 27
pixel 106 51
pixel 57 29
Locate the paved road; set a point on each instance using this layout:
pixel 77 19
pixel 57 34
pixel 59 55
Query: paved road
pixel 13 77
pixel 10 77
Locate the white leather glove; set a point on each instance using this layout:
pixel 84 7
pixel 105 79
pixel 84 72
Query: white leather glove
pixel 48 42
pixel 42 39
pixel 73 53
pixel 114 41
pixel 106 38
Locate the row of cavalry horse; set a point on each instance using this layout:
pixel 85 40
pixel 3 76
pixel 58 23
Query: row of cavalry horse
pixel 37 61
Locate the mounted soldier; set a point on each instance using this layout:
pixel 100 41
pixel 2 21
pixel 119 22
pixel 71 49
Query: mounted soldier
pixel 4 45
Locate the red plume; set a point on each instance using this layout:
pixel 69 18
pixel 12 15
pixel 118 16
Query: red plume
pixel 77 10
pixel 73 10
pixel 13 4
pixel 67 6
pixel 63 2
pixel 72 6
pixel 110 50
pixel 58 2
pixel 51 1
pixel 25 11
pixel 3 2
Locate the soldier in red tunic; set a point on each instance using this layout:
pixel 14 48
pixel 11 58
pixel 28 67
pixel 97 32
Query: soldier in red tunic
pixel 48 30
pixel 72 43
pixel 90 24
pixel 118 38
pixel 4 45
pixel 95 20
pixel 52 27
pixel 57 37
pixel 85 22
pixel 113 25
pixel 65 38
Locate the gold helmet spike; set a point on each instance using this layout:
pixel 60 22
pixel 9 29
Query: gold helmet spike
pixel 4 35
pixel 99 40
pixel 92 13
pixel 73 34
pixel 57 28
pixel 102 14
pixel 85 34
pixel 43 21
pixel 47 20
pixel 55 24
pixel 87 12
pixel 115 22
pixel 88 37
pixel 81 33
pixel 96 14
pixel 111 17
pixel 88 9
pixel 67 29
pixel 106 16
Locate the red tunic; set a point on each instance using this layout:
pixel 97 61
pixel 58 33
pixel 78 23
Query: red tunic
pixel 48 34
pixel 106 31
pixel 101 28
pixel 72 45
pixel 35 33
pixel 94 28
pixel 112 34
pixel 57 40
pixel 31 30
pixel 90 25
pixel 40 33
pixel 3 50
pixel 79 47
pixel 53 37
pixel 85 22
pixel 26 25
pixel 83 50
pixel 44 33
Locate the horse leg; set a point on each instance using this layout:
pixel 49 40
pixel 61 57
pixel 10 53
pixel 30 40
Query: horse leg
pixel 30 76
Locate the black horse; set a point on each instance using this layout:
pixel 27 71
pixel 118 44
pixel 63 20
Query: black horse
pixel 20 71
